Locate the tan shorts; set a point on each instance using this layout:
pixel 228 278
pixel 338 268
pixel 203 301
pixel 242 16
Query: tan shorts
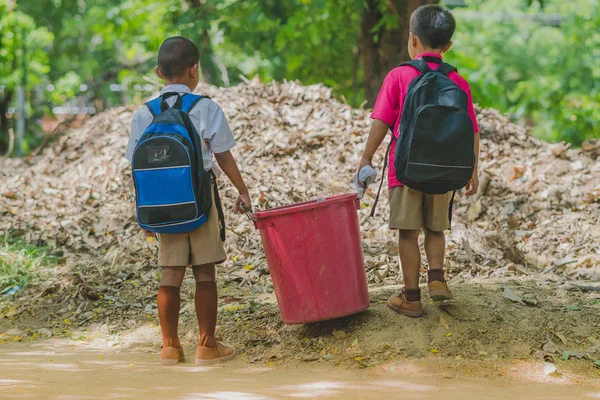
pixel 411 209
pixel 202 246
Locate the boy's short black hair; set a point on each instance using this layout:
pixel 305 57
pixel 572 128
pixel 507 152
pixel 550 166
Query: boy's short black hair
pixel 433 24
pixel 176 54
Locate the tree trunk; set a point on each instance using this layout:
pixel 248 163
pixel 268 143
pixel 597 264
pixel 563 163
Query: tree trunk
pixel 4 125
pixel 383 49
pixel 208 65
pixel 210 69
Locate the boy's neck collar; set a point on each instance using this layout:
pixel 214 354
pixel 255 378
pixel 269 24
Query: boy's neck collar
pixel 429 54
pixel 176 87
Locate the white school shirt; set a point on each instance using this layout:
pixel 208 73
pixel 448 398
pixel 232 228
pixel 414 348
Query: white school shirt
pixel 208 119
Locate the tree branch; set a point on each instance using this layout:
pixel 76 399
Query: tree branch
pixel 57 130
pixel 11 143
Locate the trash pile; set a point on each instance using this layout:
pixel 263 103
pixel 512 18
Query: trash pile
pixel 538 208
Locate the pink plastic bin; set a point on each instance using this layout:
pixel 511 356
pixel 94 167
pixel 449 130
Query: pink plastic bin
pixel 315 257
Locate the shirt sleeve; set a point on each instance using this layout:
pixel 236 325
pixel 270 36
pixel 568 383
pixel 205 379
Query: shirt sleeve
pixel 387 105
pixel 471 109
pixel 134 136
pixel 218 130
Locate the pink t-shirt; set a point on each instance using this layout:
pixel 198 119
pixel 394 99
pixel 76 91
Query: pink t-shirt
pixel 388 107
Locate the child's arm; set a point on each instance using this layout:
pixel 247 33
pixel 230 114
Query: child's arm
pixel 227 163
pixel 473 184
pixel 385 112
pixel 379 131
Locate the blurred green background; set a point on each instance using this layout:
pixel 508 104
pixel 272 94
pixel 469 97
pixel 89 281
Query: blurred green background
pixel 535 60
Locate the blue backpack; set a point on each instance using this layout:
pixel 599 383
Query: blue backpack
pixel 173 190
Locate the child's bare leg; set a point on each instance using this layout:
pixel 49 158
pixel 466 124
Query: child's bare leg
pixel 168 304
pixel 408 302
pixel 206 301
pixel 435 248
pixel 209 351
pixel 410 257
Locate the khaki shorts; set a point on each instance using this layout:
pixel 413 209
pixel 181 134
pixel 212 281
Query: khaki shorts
pixel 202 246
pixel 411 209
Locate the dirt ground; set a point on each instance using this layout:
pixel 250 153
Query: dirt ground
pixel 557 323
pixel 60 369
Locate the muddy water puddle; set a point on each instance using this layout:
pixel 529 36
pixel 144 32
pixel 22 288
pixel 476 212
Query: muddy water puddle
pixel 62 370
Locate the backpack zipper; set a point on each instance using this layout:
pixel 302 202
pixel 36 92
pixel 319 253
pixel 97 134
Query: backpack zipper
pixel 168 205
pixel 438 165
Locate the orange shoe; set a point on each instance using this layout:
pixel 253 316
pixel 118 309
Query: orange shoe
pixel 438 291
pixel 171 355
pixel 399 304
pixel 212 355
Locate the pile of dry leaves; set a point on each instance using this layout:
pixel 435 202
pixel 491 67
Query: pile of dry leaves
pixel 538 208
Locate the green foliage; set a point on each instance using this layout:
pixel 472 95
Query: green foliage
pixel 546 76
pixel 15 27
pixel 318 44
pixel 78 49
pixel 100 41
pixel 21 262
pixel 18 30
pixel 543 75
pixel 310 40
pixel 541 2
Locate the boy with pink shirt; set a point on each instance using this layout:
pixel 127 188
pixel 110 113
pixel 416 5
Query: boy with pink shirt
pixel 431 30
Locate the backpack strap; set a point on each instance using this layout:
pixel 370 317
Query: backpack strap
pixel 164 106
pixel 433 59
pixel 419 64
pixel 184 103
pixel 218 205
pixel 446 69
pixel 189 100
pixel 450 209
pixel 154 106
pixel 385 164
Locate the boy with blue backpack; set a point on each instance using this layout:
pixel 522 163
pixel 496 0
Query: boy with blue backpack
pixel 434 151
pixel 171 147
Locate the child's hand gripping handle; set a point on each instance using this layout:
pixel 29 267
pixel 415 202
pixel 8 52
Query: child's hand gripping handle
pixel 248 212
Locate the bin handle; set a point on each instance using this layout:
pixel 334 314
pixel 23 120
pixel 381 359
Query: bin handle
pixel 249 213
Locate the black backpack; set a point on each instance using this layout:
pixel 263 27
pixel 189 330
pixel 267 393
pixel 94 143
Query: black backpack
pixel 434 153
